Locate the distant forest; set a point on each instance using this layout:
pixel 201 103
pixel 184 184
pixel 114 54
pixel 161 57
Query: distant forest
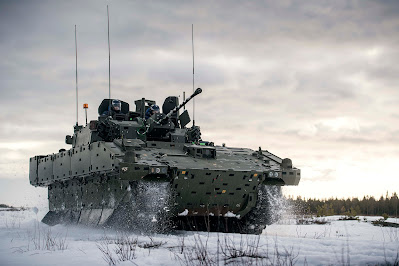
pixel 368 205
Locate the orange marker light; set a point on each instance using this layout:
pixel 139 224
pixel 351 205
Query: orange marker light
pixel 85 106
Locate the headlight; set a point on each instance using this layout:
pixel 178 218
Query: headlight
pixel 270 174
pixel 276 174
pixel 158 170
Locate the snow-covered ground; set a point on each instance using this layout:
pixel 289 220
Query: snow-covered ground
pixel 25 241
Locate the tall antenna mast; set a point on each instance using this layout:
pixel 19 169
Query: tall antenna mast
pixel 184 98
pixel 109 67
pixel 192 45
pixel 76 68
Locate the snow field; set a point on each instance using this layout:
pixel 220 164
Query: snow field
pixel 25 241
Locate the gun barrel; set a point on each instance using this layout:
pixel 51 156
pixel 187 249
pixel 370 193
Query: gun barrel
pixel 177 108
pixel 197 91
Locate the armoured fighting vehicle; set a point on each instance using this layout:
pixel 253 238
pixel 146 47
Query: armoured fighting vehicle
pixel 156 174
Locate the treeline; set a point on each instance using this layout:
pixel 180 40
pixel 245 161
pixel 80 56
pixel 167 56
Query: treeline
pixel 368 205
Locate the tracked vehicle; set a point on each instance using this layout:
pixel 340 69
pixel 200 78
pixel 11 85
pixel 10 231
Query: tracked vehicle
pixel 156 174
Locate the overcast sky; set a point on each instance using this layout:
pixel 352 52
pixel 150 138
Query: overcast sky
pixel 315 81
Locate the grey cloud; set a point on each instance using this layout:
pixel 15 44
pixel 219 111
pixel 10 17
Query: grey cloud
pixel 358 140
pixel 326 175
pixel 326 88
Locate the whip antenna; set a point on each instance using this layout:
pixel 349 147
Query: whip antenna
pixel 109 68
pixel 184 98
pixel 76 68
pixel 192 45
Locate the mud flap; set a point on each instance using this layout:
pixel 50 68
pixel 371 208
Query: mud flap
pixel 52 218
pixel 90 217
pixel 61 217
pixel 84 217
pixel 70 217
pixel 95 216
pixel 105 215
